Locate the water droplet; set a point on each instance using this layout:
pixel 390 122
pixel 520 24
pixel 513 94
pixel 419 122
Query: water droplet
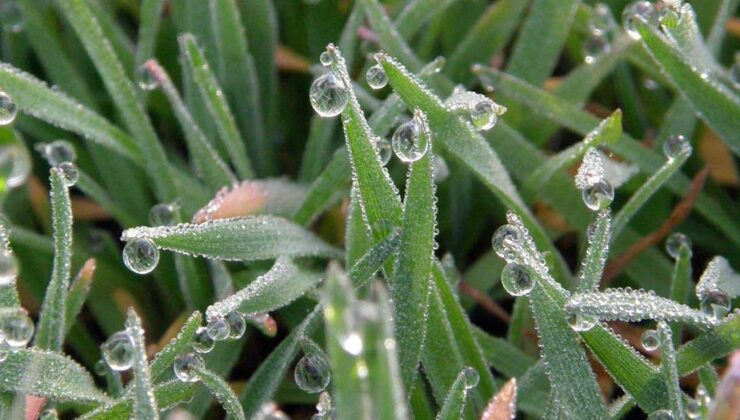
pixel 183 367
pixel 15 165
pixel 484 115
pixel 58 152
pixel 675 145
pixel 702 396
pixel 17 329
pixel 581 322
pixel 440 170
pixel 471 377
pixel 118 351
pixel 383 146
pixel 715 303
pixel 328 95
pixel 70 173
pixel 669 13
pixel 352 343
pixel 504 240
pixel 145 79
pixel 141 256
pixel 218 329
pixel 324 408
pixel 8 109
pixel 162 214
pixel 595 46
pixel 101 368
pixel 49 414
pixel 517 279
pixel 202 342
pixel 237 324
pixel 661 415
pixel 638 10
pixel 376 77
pixel 693 409
pixel 8 268
pixel 675 242
pixel 599 195
pixel 650 340
pixel 408 143
pixel 601 21
pixel 326 58
pixel 312 373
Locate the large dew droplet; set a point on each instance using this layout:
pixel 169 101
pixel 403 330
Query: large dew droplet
pixel 517 279
pixel 141 256
pixel 328 95
pixel 601 21
pixel 376 77
pixel 202 342
pixel 8 268
pixel 580 322
pixel 675 145
pixel 675 242
pixel 312 374
pixel 595 46
pixel 326 58
pixel 661 415
pixel 17 329
pixel 693 409
pixel 504 241
pixel 15 165
pixel 638 10
pixel 650 340
pixel 599 195
pixel 237 324
pixel 408 143
pixel 218 329
pixel 8 109
pixel 58 152
pixel 715 303
pixel 184 365
pixel 484 114
pixel 383 146
pixel 145 79
pixel 471 377
pixel 70 173
pixel 118 351
pixel 162 214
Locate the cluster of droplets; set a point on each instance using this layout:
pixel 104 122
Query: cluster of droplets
pixel 61 155
pixel 228 327
pixel 141 255
pixel 409 142
pixel 600 28
pixel 596 191
pixel 324 408
pixel 118 351
pixel 329 94
pixel 482 112
pixel 675 146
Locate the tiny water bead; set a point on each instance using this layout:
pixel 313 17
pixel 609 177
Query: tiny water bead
pixel 202 342
pixel 237 324
pixel 118 351
pixel 184 365
pixel 8 109
pixel 599 195
pixel 312 373
pixel 15 165
pixel 471 377
pixel 408 143
pixel 661 415
pixel 693 409
pixel 650 340
pixel 162 214
pixel 8 268
pixel 595 46
pixel 580 322
pixel 676 145
pixel 328 95
pixel 384 148
pixel 376 77
pixel 484 115
pixel 702 396
pixel 715 303
pixel 326 58
pixel 601 21
pixel 675 242
pixel 141 256
pixel 70 173
pixel 48 414
pixel 517 279
pixel 58 152
pixel 503 242
pixel 638 10
pixel 218 329
pixel 101 367
pixel 669 12
pixel 17 329
pixel 145 79
pixel 324 408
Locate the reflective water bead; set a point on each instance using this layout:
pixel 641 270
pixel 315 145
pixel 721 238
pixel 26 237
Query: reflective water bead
pixel 484 115
pixel 326 58
pixel 376 77
pixel 183 367
pixel 650 340
pixel 17 329
pixel 8 268
pixel 675 242
pixel 70 173
pixel 715 303
pixel 661 415
pixel 237 324
pixel 669 13
pixel 312 373
pixel 162 214
pixel 601 20
pixel 15 165
pixel 503 240
pixel 141 256
pixel 471 377
pixel 693 409
pixel 638 10
pixel 581 322
pixel 218 329
pixel 593 47
pixel 145 79
pixel 517 279
pixel 675 145
pixel 58 152
pixel 408 143
pixel 599 195
pixel 101 367
pixel 383 146
pixel 328 95
pixel 48 414
pixel 202 342
pixel 352 343
pixel 702 396
pixel 118 351
pixel 8 109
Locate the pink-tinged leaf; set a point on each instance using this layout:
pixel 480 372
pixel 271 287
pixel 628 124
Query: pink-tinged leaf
pixel 503 405
pixel 727 400
pixel 34 406
pixel 271 196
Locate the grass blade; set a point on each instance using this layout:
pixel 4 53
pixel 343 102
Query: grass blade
pixel 372 261
pixel 598 250
pixel 149 19
pixel 145 406
pixel 680 285
pixel 168 395
pixel 8 293
pixel 416 13
pixel 221 391
pixel 388 35
pixel 178 346
pixel 326 189
pixel 77 295
pixel 669 371
pixel 454 405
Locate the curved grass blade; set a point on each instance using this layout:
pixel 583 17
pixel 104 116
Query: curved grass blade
pixel 327 188
pixel 145 405
pixel 669 371
pixel 718 342
pixel 168 395
pixel 389 37
pixel 92 189
pixel 221 391
pixel 178 346
pixel 78 292
pixel 8 293
pixel 598 250
pixel 418 12
pixel 454 406
pixel 149 19
pixel 373 259
pixel 237 239
pixel 51 329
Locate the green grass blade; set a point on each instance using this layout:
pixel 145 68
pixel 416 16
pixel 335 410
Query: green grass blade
pixel 168 395
pixel 418 12
pixel 388 35
pixel 357 242
pixel 78 293
pixel 149 20
pixel 454 405
pixel 217 105
pixel 178 346
pixel 502 355
pixel 222 392
pixel 680 286
pixel 716 343
pixel 327 188
pixel 372 261
pixel 145 405
pixel 98 193
pixel 51 329
pixel 596 255
pixel 9 293
pixel 238 239
pixel 669 371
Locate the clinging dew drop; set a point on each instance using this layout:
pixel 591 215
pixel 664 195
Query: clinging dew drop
pixel 141 256
pixel 15 165
pixel 715 303
pixel 601 21
pixel 383 146
pixel 644 10
pixel 517 279
pixel 162 214
pixel 580 322
pixel 312 373
pixel 237 324
pixel 408 143
pixel 650 340
pixel 675 242
pixel 202 342
pixel 145 79
pixel 218 329
pixel 118 351
pixel 184 365
pixel 504 241
pixel 471 377
pixel 376 77
pixel 693 409
pixel 58 152
pixel 70 173
pixel 661 415
pixel 17 329
pixel 599 195
pixel 595 46
pixel 8 268
pixel 676 145
pixel 326 58
pixel 484 115
pixel 328 95
pixel 8 109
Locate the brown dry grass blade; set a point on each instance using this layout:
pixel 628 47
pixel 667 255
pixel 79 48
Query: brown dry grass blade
pixel 503 405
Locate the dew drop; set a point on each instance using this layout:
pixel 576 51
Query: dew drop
pixel 8 268
pixel 326 58
pixel 202 342
pixel 675 145
pixel 693 409
pixel 352 343
pixel 715 303
pixel 601 21
pixel 70 173
pixel 517 279
pixel 675 242
pixel 8 109
pixel 141 256
pixel 145 79
pixel 48 414
pixel 661 415
pixel 237 324
pixel 599 195
pixel 118 351
pixel 595 46
pixel 58 152
pixel 408 143
pixel 17 329
pixel 162 214
pixel 183 367
pixel 650 340
pixel 484 115
pixel 383 146
pixel 5 349
pixel 312 373
pixel 702 396
pixel 638 10
pixel 328 95
pixel 218 329
pixel 376 77
pixel 101 367
pixel 504 240
pixel 15 165
pixel 581 322
pixel 471 377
